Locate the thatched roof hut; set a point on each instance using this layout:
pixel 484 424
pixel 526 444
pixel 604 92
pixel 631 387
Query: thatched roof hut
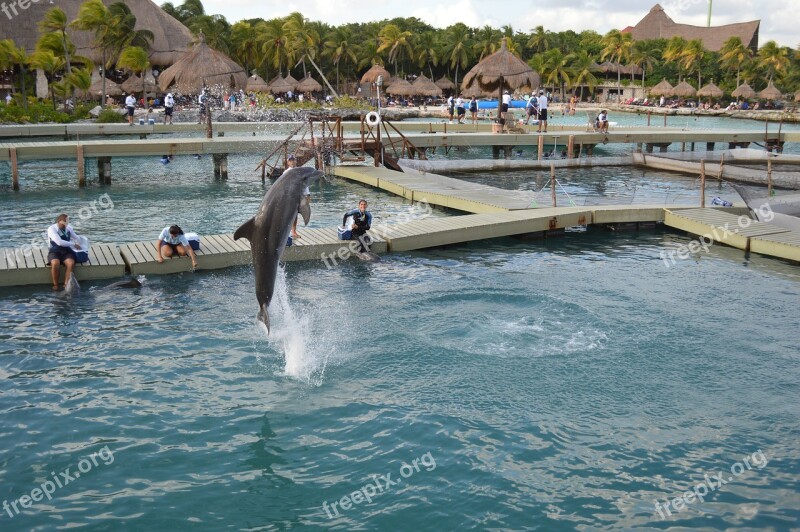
pixel 445 84
pixel 664 88
pixel 475 90
pixel 770 93
pixel 203 66
pixel 401 87
pixel 309 84
pixel 684 90
pixel 371 75
pixel 256 83
pixel 172 38
pixel 96 88
pixel 134 84
pixel 283 85
pixel 425 87
pixel 711 91
pixel 744 91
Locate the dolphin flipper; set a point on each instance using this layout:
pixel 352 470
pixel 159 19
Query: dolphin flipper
pixel 263 315
pixel 305 210
pixel 246 230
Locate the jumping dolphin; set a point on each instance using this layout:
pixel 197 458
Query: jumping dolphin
pixel 269 229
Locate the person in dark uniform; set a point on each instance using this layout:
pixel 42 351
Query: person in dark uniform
pixel 62 239
pixel 362 221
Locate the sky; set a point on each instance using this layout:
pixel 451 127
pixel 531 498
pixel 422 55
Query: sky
pixel 778 20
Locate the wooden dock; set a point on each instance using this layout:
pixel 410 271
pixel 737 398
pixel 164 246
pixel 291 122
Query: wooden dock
pixel 740 232
pixel 28 266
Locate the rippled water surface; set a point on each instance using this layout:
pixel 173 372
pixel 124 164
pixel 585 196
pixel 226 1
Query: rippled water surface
pixel 568 383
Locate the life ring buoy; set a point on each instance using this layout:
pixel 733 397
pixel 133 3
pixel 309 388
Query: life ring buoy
pixel 372 118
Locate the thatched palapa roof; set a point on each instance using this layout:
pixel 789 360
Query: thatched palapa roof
pixel 684 90
pixel 501 70
pixel 744 91
pixel 475 90
pixel 401 87
pixel 203 66
pixel 256 83
pixel 711 90
pixel 96 88
pixel 283 85
pixel 134 84
pixel 770 93
pixel 664 88
pixel 445 84
pixel 657 25
pixel 309 85
pixel 172 38
pixel 371 75
pixel 425 87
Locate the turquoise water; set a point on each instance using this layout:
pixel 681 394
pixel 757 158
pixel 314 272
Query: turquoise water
pixel 515 384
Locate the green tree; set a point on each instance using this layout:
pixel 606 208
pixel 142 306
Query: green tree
pixel 692 57
pixel 456 51
pixel 94 16
pixel 617 46
pixel 582 68
pixel 427 50
pixel 487 42
pixel 733 54
pixel 644 54
pixel 274 41
pixel 557 71
pixel 303 38
pixel 50 63
pixel 773 59
pixel 135 59
pixel 243 37
pixel 10 56
pixel 674 52
pixel 540 39
pixel 396 42
pixel 340 44
pixel 55 21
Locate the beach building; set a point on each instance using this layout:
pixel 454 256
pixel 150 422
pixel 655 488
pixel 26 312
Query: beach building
pixel 658 25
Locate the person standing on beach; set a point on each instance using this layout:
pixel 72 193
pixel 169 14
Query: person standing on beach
pixel 542 112
pixel 473 109
pixel 169 104
pixel 460 109
pixel 62 239
pixel 130 105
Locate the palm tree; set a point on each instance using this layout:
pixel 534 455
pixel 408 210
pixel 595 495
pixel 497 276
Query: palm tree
pixel 773 59
pixel 50 63
pixel 427 47
pixel 692 57
pixel 128 34
pixel 304 39
pixel 733 54
pixel 540 40
pixel 674 51
pixel 457 47
pixel 135 59
pixel 215 29
pixel 55 21
pixel 617 45
pixel 645 54
pixel 339 45
pixel 556 69
pixel 582 69
pixel 94 16
pixel 274 41
pixel 487 42
pixel 243 36
pixel 11 55
pixel 396 42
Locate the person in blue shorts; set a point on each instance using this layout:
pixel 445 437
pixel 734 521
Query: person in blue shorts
pixel 173 242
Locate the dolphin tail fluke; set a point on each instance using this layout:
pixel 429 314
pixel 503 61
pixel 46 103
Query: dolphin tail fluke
pixel 246 230
pixel 263 316
pixel 305 210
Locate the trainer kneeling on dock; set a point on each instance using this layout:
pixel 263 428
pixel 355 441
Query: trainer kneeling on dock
pixel 62 239
pixel 172 241
pixel 362 221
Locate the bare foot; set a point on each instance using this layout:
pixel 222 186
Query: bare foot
pixel 54 287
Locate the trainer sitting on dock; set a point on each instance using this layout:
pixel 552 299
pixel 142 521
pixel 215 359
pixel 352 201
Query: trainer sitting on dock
pixel 362 221
pixel 62 239
pixel 172 241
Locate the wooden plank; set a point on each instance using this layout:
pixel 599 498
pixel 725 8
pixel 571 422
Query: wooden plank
pixel 11 259
pixel 3 264
pixel 223 244
pixel 39 258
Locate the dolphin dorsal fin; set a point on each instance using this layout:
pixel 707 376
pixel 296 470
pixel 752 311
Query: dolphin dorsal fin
pixel 305 210
pixel 246 230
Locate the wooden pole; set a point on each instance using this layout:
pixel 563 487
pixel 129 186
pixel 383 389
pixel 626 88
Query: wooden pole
pixel 648 117
pixel 769 178
pixel 553 182
pixel 721 165
pixel 570 146
pixel 541 147
pixel 14 169
pixel 81 167
pixel 665 119
pixel 703 183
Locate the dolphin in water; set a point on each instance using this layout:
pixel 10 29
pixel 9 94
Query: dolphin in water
pixel 72 287
pixel 269 229
pixel 132 283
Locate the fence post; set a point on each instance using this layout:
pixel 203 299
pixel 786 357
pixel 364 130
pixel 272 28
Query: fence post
pixel 703 183
pixel 553 182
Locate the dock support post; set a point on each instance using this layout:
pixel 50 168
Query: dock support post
pixel 553 182
pixel 220 133
pixel 81 167
pixel 571 147
pixel 692 146
pixel 683 146
pixel 14 169
pixel 496 152
pixel 769 178
pixel 648 147
pixel 590 150
pixel 703 183
pixel 508 151
pixel 648 118
pixel 104 170
pixel 663 147
pixel 220 165
pixel 665 119
pixel 540 148
pixel 709 146
pixel 263 173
